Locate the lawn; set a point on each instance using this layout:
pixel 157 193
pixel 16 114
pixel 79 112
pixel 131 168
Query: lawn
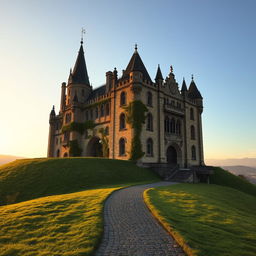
pixel 213 220
pixel 68 225
pixel 27 179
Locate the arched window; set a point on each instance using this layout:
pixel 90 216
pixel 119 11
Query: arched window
pixel 123 99
pixel 122 147
pixel 122 122
pixel 192 132
pixel 149 147
pixel 107 109
pixel 172 125
pixel 178 127
pixel 102 110
pixel 167 124
pixel 149 99
pixel 193 153
pixel 192 114
pixel 107 130
pixel 58 153
pixel 149 122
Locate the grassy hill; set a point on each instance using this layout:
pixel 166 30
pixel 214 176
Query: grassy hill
pixel 27 179
pixel 213 220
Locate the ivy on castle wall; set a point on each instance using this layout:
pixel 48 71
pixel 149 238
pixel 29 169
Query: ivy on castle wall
pixel 74 149
pixel 135 116
pixel 104 141
pixel 78 127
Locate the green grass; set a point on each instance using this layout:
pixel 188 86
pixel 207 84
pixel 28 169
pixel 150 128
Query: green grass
pixel 213 220
pixel 225 178
pixel 27 179
pixel 68 225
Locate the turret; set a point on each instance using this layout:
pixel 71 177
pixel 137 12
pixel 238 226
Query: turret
pixel 159 77
pixel 50 151
pixel 194 94
pixel 109 81
pixel 184 88
pixel 63 97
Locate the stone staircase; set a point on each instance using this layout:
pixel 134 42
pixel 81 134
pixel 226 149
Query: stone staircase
pixel 182 175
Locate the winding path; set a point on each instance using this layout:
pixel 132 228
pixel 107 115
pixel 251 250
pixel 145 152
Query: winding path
pixel 131 230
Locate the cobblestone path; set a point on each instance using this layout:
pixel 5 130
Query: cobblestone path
pixel 131 230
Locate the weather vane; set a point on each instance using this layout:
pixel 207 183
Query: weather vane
pixel 171 69
pixel 82 35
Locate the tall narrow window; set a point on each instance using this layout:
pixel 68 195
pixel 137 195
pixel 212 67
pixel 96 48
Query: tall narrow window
pixel 107 130
pixel 178 127
pixel 102 110
pixel 86 115
pixel 149 122
pixel 107 109
pixel 172 125
pixel 192 114
pixel 91 114
pixel 123 99
pixel 193 152
pixel 149 99
pixel 58 153
pixel 192 132
pixel 149 147
pixel 122 147
pixel 82 92
pixel 122 122
pixel 167 124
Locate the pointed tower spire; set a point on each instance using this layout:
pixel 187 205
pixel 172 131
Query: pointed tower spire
pixel 52 114
pixel 79 74
pixel 159 75
pixel 184 86
pixel 193 92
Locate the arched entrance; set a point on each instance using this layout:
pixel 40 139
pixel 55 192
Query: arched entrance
pixel 94 147
pixel 171 155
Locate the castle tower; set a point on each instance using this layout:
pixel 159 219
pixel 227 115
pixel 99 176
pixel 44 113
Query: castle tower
pixel 50 152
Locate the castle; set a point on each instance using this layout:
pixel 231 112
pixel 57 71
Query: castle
pixel 130 117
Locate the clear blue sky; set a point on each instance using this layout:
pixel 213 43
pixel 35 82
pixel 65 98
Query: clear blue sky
pixel 214 40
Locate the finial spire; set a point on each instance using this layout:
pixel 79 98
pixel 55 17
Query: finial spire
pixel 192 77
pixel 171 69
pixel 82 35
pixel 136 47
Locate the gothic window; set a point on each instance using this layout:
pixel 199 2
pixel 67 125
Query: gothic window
pixel 192 114
pixel 192 132
pixel 122 122
pixel 122 147
pixel 149 122
pixel 193 152
pixel 167 124
pixel 149 147
pixel 68 118
pixel 102 110
pixel 172 125
pixel 58 153
pixel 149 99
pixel 123 99
pixel 107 109
pixel 178 127
pixel 96 112
pixel 107 130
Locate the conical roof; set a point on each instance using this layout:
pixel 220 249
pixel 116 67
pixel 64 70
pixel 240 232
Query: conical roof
pixel 79 74
pixel 184 86
pixel 159 75
pixel 136 64
pixel 193 92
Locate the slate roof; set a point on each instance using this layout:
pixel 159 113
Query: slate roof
pixel 193 92
pixel 184 86
pixel 136 64
pixel 79 74
pixel 97 92
pixel 159 75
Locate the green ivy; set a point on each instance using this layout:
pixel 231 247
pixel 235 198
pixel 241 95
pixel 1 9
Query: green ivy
pixel 135 116
pixel 74 149
pixel 104 140
pixel 78 127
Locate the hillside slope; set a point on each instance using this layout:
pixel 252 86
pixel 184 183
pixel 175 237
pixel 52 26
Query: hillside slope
pixel 32 178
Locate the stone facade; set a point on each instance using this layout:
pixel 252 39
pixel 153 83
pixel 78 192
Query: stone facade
pixel 172 132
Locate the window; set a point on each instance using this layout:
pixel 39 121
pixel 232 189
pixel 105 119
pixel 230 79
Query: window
pixel 96 112
pixel 57 141
pixel 192 132
pixel 58 153
pixel 193 153
pixel 91 114
pixel 82 92
pixel 149 122
pixel 122 122
pixel 68 118
pixel 192 114
pixel 107 130
pixel 149 99
pixel 178 127
pixel 149 147
pixel 123 99
pixel 107 109
pixel 167 124
pixel 122 147
pixel 172 125
pixel 86 115
pixel 102 110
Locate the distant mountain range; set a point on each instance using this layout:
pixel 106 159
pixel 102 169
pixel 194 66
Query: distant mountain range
pixel 251 162
pixel 7 158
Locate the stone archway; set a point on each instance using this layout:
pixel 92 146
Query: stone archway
pixel 94 147
pixel 171 155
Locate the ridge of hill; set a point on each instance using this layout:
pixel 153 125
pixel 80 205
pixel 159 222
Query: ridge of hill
pixel 27 179
pixel 4 159
pixel 251 162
